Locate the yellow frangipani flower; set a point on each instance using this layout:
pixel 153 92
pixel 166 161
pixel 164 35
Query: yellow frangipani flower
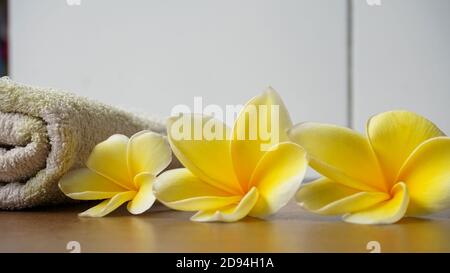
pixel 401 168
pixel 119 170
pixel 229 177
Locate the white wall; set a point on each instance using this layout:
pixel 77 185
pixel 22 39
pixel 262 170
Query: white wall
pixel 153 54
pixel 150 55
pixel 402 59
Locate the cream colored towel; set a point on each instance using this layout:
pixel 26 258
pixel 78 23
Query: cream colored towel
pixel 44 133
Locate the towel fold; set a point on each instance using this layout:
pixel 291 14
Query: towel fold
pixel 44 133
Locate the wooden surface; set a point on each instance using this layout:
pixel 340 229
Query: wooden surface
pixel 162 230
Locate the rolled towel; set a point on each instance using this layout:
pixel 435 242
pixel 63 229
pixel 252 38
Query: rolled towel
pixel 44 133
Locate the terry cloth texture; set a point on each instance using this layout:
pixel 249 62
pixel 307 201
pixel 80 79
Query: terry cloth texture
pixel 44 133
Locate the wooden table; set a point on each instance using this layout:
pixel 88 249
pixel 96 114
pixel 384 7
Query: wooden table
pixel 163 230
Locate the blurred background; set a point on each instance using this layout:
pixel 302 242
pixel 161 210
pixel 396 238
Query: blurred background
pixel 334 61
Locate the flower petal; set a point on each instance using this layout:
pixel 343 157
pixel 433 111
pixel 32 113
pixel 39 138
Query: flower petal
pixel 277 177
pixel 326 197
pixel 394 135
pixel 148 152
pixel 181 190
pixel 84 184
pixel 386 212
pixel 319 193
pixel 427 174
pixel 340 154
pixel 144 198
pixel 254 132
pixel 205 156
pixel 109 205
pixel 229 213
pixel 109 158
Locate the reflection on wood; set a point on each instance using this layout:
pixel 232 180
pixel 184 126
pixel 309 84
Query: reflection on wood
pixel 162 230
